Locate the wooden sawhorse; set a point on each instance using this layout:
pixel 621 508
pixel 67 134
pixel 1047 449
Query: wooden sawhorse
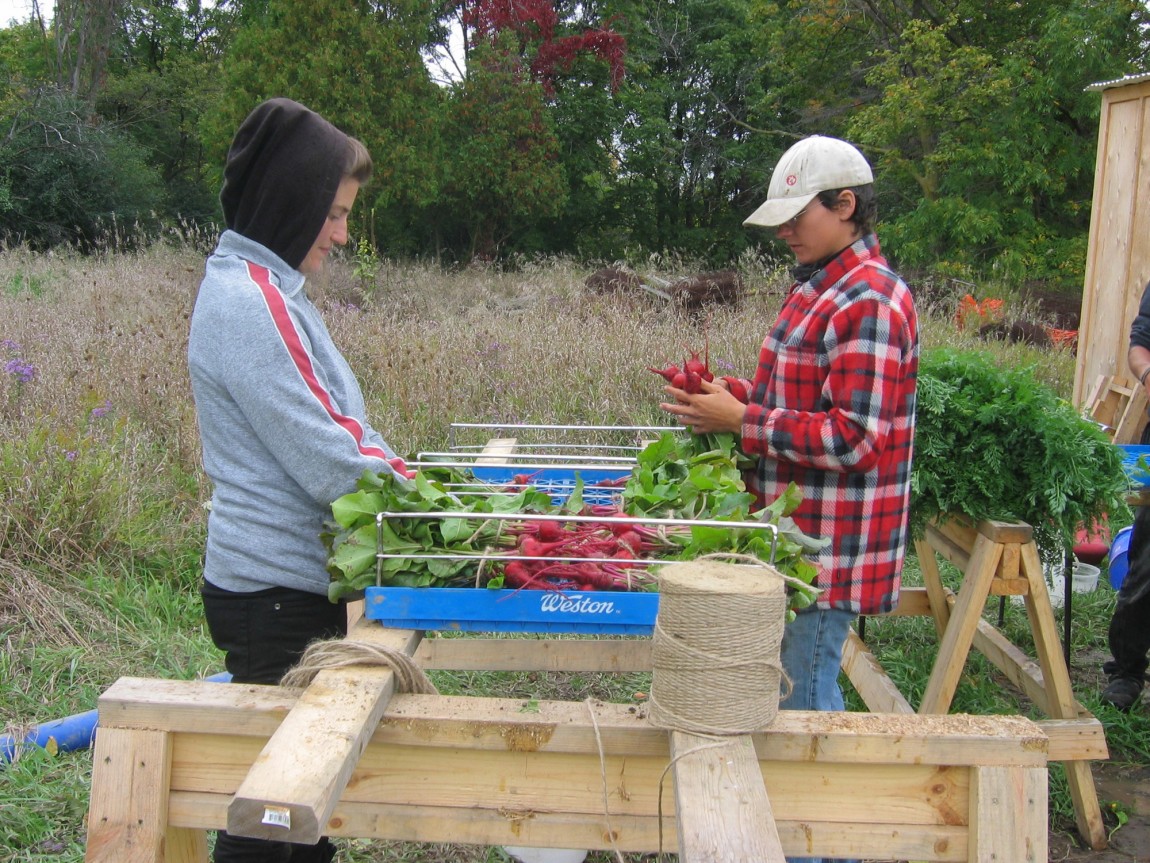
pixel 996 559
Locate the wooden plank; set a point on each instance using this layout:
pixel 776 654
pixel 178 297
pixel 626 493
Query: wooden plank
pixel 527 783
pixel 721 803
pixel 128 807
pixel 1079 739
pixel 946 547
pixel 932 578
pixel 194 707
pixel 628 833
pixel 496 450
pixel 954 646
pixel 1008 815
pixel 872 683
pixel 1009 563
pixel 1047 646
pixel 1006 531
pixel 291 789
pixel 914 602
pixel 1087 811
pixel 1128 429
pixel 544 654
pixel 1119 184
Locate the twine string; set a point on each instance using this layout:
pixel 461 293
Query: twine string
pixel 603 773
pixel 341 653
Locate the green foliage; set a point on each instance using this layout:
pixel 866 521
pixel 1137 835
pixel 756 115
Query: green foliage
pixel 503 174
pixel 46 805
pixel 82 502
pixel 991 442
pixel 67 179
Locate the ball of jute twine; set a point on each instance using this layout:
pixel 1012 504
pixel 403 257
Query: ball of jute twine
pixel 715 654
pixel 341 653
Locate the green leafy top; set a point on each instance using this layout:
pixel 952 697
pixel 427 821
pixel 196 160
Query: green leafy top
pixel 993 442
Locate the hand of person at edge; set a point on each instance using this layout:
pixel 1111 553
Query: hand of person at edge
pixel 712 410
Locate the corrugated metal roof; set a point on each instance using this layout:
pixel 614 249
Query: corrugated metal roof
pixel 1120 82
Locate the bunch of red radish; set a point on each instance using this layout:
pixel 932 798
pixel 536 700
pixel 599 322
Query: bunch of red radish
pixel 690 377
pixel 554 555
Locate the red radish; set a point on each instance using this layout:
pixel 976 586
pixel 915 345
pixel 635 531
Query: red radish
pixel 679 382
pixel 549 531
pixel 516 574
pixel 668 373
pixel 530 546
pixel 524 478
pixel 631 540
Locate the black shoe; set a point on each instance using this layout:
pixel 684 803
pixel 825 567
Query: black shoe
pixel 1122 692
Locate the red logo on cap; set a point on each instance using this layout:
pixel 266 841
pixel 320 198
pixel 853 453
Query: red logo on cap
pixel 792 179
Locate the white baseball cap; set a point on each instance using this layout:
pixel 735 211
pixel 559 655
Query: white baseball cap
pixel 811 166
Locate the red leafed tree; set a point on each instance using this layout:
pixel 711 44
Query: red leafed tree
pixel 534 22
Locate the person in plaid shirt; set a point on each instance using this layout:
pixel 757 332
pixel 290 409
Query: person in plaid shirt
pixel 831 406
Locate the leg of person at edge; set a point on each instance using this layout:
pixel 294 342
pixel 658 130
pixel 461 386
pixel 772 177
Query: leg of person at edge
pixel 280 413
pixel 1129 633
pixel 831 405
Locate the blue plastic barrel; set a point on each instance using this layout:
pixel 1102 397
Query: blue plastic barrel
pixel 1119 563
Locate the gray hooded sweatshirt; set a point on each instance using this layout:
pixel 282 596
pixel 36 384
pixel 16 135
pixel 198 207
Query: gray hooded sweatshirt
pixel 281 416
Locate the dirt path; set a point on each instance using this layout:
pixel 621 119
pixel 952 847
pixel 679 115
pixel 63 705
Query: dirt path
pixel 1130 843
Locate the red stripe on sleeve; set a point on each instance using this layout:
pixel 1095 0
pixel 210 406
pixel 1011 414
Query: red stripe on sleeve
pixel 302 360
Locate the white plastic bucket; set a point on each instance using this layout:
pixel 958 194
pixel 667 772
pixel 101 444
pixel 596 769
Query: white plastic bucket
pixel 1083 579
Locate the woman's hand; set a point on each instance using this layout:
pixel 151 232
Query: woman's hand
pixel 713 409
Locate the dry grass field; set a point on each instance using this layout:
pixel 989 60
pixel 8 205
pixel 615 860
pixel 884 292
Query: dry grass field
pixel 101 514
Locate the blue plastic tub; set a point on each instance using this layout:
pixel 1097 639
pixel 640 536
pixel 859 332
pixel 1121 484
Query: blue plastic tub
pixel 560 482
pixel 1131 453
pixel 1119 564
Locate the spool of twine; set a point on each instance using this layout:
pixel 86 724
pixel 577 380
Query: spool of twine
pixel 716 667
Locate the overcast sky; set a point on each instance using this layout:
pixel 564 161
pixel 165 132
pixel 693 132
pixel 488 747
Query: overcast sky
pixel 21 10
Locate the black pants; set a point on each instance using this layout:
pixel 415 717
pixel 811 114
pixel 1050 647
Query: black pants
pixel 263 634
pixel 1130 626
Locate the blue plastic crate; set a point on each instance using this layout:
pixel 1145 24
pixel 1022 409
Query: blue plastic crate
pixel 559 482
pixel 476 609
pixel 1139 476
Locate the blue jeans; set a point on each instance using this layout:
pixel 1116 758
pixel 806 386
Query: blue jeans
pixel 812 652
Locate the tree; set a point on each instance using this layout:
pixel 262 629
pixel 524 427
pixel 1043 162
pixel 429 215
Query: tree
pixel 538 185
pixel 65 179
pixel 974 114
pixel 161 81
pixel 503 173
pixel 85 31
pixel 691 167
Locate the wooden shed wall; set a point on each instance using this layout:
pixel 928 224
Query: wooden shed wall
pixel 1118 257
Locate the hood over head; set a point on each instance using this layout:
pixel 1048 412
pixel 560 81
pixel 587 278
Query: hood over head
pixel 283 169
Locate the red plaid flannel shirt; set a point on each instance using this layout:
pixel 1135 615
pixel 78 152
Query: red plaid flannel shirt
pixel 831 409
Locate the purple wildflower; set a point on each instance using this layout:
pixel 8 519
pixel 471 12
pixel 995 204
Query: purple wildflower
pixel 71 455
pixel 101 410
pixel 723 364
pixel 10 345
pixel 22 371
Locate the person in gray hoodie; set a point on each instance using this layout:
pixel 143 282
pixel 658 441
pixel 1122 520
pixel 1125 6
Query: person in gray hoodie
pixel 281 415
